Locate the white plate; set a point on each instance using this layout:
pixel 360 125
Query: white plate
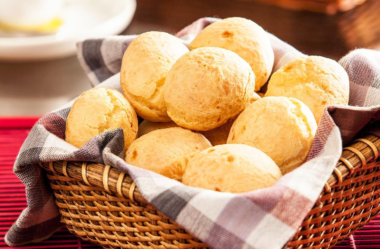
pixel 82 19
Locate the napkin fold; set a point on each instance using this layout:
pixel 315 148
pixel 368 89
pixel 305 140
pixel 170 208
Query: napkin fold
pixel 265 218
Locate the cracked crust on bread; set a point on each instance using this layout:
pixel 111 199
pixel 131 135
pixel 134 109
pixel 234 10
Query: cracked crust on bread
pixel 145 65
pixel 98 110
pixel 316 81
pixel 283 128
pixel 208 86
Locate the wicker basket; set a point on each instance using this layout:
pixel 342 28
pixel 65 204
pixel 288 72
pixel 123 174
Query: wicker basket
pixel 324 6
pixel 100 204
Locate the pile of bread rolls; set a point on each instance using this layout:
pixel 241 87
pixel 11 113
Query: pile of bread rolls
pixel 205 123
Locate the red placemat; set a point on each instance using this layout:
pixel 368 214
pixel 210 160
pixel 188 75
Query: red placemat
pixel 13 132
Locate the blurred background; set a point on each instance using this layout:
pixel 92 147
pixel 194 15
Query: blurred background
pixel 33 82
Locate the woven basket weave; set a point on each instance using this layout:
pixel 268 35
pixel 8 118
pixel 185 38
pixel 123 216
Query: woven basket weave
pixel 100 204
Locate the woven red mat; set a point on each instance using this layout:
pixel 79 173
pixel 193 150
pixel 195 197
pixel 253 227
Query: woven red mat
pixel 13 132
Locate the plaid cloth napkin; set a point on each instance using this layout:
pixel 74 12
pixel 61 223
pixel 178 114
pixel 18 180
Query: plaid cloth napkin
pixel 265 218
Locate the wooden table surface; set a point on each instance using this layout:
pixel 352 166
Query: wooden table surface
pixel 35 88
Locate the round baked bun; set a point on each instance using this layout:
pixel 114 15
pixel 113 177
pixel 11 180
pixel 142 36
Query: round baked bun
pixel 283 128
pixel 243 37
pixel 146 62
pixel 219 135
pixel 146 126
pixel 234 168
pixel 166 151
pixel 316 81
pixel 208 86
pixel 98 110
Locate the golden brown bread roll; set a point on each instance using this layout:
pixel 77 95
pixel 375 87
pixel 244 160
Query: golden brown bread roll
pixel 243 37
pixel 234 168
pixel 98 110
pixel 145 65
pixel 166 151
pixel 146 126
pixel 316 81
pixel 283 128
pixel 208 86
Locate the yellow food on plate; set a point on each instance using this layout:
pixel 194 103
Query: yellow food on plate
pixel 208 86
pixel 145 65
pixel 234 168
pixel 98 110
pixel 146 126
pixel 283 128
pixel 316 81
pixel 166 151
pixel 243 37
pixel 219 135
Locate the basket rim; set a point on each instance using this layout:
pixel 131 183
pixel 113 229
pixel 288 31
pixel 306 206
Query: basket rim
pixel 361 152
